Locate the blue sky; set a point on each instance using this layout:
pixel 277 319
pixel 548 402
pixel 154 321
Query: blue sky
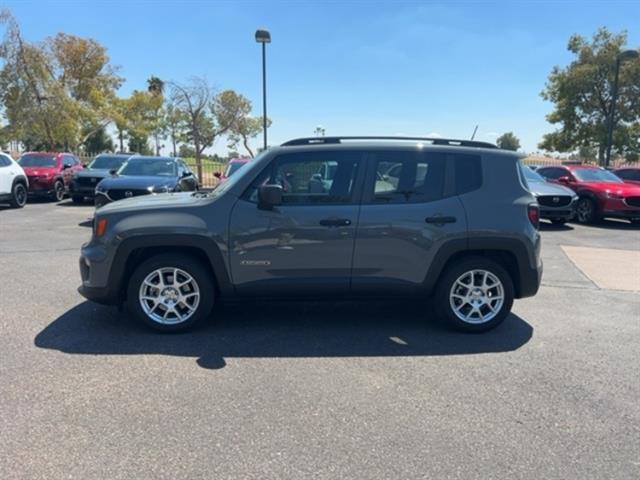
pixel 354 67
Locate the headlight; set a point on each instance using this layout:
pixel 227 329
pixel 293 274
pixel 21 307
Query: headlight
pixel 613 195
pixel 158 189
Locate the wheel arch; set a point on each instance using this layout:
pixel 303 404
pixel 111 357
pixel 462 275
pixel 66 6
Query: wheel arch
pixel 511 254
pixel 133 251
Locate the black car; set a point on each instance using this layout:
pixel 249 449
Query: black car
pixel 145 175
pixel 83 183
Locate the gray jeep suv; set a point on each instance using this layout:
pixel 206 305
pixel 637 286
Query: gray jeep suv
pixel 330 217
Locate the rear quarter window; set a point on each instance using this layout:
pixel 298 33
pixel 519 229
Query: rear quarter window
pixel 468 173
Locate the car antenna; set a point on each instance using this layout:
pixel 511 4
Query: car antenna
pixel 474 132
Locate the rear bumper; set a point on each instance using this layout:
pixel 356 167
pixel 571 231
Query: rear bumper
pixel 530 279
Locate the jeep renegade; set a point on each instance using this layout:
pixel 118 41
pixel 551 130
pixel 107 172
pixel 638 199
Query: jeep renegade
pixel 450 220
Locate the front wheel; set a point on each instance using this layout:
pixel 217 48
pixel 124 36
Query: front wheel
pixel 18 196
pixel 170 293
pixel 586 210
pixel 474 295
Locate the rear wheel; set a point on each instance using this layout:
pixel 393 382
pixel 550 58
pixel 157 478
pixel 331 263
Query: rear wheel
pixel 170 293
pixel 58 191
pixel 586 210
pixel 474 295
pixel 18 196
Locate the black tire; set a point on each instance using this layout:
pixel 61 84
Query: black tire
pixel 558 221
pixel 18 195
pixel 77 199
pixel 586 211
pixel 58 191
pixel 187 264
pixel 445 287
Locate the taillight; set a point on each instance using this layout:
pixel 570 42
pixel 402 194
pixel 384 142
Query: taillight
pixel 533 211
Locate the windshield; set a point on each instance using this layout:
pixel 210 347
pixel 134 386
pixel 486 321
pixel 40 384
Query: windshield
pixel 595 175
pixel 29 160
pixel 532 176
pixel 149 167
pixel 234 167
pixel 104 162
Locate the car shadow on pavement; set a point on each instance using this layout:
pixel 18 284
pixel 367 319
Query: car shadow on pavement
pixel 611 224
pixel 550 227
pixel 276 330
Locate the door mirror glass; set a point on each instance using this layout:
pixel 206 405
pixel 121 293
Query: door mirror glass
pixel 269 196
pixel 66 166
pixel 113 171
pixel 217 174
pixel 564 179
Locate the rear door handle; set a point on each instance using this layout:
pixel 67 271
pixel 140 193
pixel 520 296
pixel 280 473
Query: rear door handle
pixel 440 220
pixel 335 222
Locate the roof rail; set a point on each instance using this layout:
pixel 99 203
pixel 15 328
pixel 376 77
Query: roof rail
pixel 433 140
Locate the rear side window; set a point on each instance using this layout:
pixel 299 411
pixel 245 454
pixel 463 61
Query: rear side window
pixel 4 161
pixel 468 173
pixel 408 177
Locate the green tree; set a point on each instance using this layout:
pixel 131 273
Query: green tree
pixel 581 94
pixel 508 141
pixel 56 92
pixel 206 115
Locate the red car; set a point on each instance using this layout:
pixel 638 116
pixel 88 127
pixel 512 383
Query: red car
pixel 629 174
pixel 600 193
pixel 232 167
pixel 49 173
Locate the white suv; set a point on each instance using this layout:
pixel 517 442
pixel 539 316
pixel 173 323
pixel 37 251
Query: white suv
pixel 13 182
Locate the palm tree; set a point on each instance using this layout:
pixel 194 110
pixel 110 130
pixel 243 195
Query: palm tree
pixel 155 86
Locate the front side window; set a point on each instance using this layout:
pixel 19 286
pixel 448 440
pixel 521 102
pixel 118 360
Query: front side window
pixel 554 173
pixel 629 174
pixel 408 177
pixel 311 178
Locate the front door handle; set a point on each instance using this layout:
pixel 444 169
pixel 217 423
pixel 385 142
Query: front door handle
pixel 335 222
pixel 440 220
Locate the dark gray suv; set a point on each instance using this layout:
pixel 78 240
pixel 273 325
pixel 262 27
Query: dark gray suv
pixel 330 217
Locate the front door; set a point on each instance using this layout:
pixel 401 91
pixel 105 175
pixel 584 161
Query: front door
pixel 304 246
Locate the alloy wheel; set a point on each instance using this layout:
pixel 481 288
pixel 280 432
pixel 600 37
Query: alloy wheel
pixel 169 296
pixel 584 210
pixel 477 296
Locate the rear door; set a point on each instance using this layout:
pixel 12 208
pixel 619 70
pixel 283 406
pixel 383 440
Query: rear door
pixel 409 210
pixel 304 246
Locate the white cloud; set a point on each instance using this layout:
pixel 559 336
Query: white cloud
pixel 434 135
pixel 492 134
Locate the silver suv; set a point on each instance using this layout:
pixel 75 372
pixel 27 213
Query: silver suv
pixel 331 217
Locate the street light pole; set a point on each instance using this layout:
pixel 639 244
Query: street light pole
pixel 626 55
pixel 263 36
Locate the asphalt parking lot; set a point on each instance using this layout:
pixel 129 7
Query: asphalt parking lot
pixel 313 390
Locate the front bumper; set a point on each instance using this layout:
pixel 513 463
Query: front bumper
pixel 85 191
pixel 624 214
pixel 557 214
pixel 95 266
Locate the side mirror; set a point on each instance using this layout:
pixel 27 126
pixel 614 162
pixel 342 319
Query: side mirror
pixel 564 179
pixel 66 167
pixel 113 171
pixel 84 165
pixel 269 196
pixel 217 174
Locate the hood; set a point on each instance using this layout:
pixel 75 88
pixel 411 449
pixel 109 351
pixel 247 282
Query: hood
pixel 136 183
pixel 626 189
pixel 35 171
pixel 546 188
pixel 151 202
